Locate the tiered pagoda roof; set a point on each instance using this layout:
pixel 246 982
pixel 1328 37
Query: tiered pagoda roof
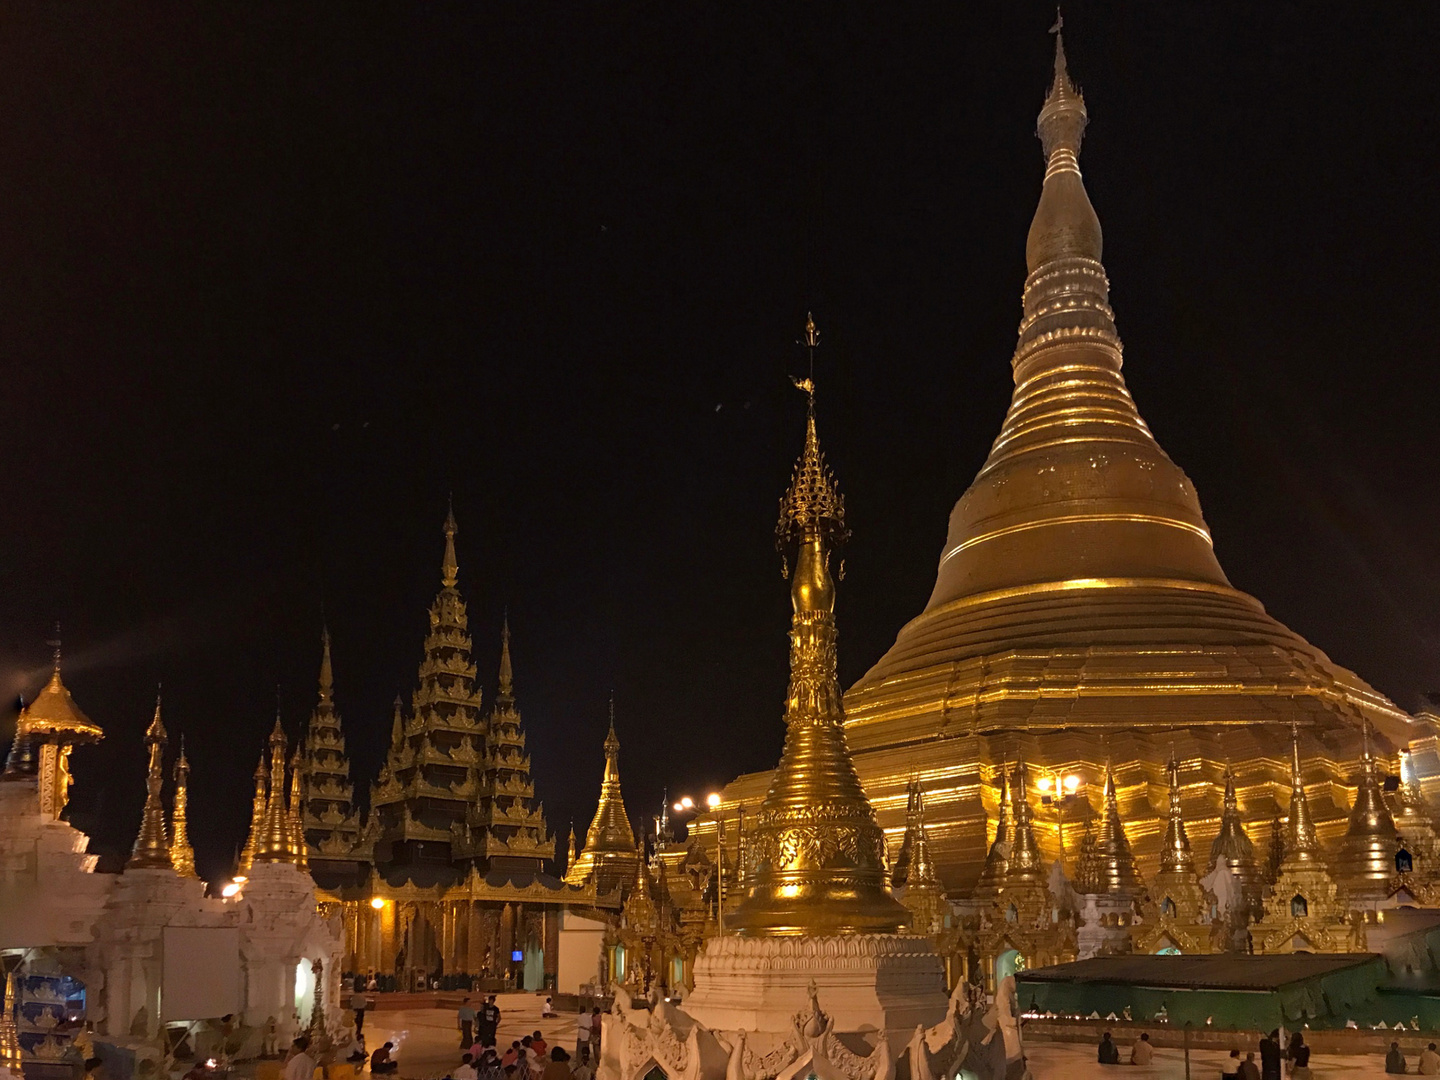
pixel 331 818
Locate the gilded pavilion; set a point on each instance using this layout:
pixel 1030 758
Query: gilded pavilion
pixel 1080 616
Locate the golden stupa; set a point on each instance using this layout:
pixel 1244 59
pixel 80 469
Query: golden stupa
pixel 1080 615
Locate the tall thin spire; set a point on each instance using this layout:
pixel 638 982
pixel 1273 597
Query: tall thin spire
pixel 1175 854
pixel 450 568
pixel 327 670
pixel 815 791
pixel 1365 862
pixel 609 848
pixel 274 845
pixel 152 849
pixel 295 812
pixel 1233 845
pixel 254 837
pixel 1024 864
pixel 182 855
pixel 993 872
pixel 1301 844
pixel 507 673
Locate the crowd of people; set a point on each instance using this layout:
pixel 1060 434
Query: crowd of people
pixel 528 1058
pixel 1292 1056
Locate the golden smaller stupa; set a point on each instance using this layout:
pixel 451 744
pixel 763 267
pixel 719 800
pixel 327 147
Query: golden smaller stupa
pixel 152 846
pixel 609 856
pixel 818 855
pixel 48 729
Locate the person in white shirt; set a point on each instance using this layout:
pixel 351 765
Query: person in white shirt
pixel 301 1065
pixel 1429 1061
pixel 466 1071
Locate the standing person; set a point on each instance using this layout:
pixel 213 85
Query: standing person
pixel 359 1002
pixel 559 1067
pixel 301 1065
pixel 1248 1069
pixel 1394 1060
pixel 1270 1056
pixel 465 1019
pixel 1300 1067
pixel 489 1021
pixel 1429 1061
pixel 595 1028
pixel 582 1034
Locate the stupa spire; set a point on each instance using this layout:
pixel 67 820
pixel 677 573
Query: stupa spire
pixel 1233 845
pixel 449 567
pixel 609 848
pixel 274 845
pixel 834 883
pixel 1024 864
pixel 152 849
pixel 1129 511
pixel 329 822
pixel 1365 862
pixel 182 855
pixel 1301 843
pixel 507 672
pixel 295 812
pixel 257 817
pixel 1175 854
pixel 993 872
pixel 1114 861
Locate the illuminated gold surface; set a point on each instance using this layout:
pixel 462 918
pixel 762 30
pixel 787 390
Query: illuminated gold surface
pixel 253 837
pixel 331 820
pixel 152 850
pixel 1079 614
pixel 1110 866
pixel 1176 912
pixel 182 855
pixel 275 843
pixel 608 858
pixel 924 895
pixel 1366 860
pixel 295 811
pixel 816 851
pixel 10 1053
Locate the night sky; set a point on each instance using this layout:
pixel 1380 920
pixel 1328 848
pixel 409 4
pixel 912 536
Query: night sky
pixel 274 281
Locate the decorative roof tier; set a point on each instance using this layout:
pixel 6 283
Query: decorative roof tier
pixel 277 840
pixel 445 719
pixel 608 857
pixel 816 852
pixel 1078 603
pixel 331 820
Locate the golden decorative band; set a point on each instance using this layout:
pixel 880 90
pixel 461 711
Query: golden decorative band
pixel 1082 519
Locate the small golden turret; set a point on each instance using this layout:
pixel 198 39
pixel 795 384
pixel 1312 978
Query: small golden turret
pixel 11 1055
pixel 1114 870
pixel 1175 854
pixel 274 845
pixel 257 818
pixel 818 855
pixel 295 814
pixel 609 852
pixel 1366 860
pixel 993 873
pixel 152 850
pixel 924 893
pixel 1301 843
pixel 182 855
pixel 1233 846
pixel 1024 865
pixel 450 568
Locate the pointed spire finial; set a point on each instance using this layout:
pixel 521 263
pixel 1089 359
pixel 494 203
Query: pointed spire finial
pixel 54 644
pixel 812 510
pixel 450 569
pixel 327 670
pixel 152 848
pixel 507 672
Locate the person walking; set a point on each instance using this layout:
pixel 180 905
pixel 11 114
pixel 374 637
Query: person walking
pixel 465 1020
pixel 489 1021
pixel 359 1003
pixel 1270 1056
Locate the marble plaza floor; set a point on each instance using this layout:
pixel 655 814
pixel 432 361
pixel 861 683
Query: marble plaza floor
pixel 429 1041
pixel 1073 1061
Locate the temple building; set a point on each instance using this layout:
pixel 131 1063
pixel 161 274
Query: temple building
pixel 450 875
pixel 1079 614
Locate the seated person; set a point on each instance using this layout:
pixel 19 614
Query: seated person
pixel 380 1062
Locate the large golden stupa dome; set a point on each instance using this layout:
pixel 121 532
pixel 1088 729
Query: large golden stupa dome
pixel 1080 616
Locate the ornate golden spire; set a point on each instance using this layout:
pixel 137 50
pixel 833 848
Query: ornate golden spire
pixel 327 670
pixel 610 841
pixel 11 1056
pixel 1175 854
pixel 1366 863
pixel 257 818
pixel 152 850
pixel 993 872
pixel 1025 863
pixel 1234 846
pixel 450 569
pixel 397 725
pixel 924 892
pixel 274 845
pixel 295 814
pixel 1301 844
pixel 819 862
pixel 1115 863
pixel 182 855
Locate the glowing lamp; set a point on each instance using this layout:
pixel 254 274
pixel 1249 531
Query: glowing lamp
pixel 231 889
pixel 377 903
pixel 712 800
pixel 679 808
pixel 1045 783
pixel 241 878
pixel 687 803
pixel 1071 783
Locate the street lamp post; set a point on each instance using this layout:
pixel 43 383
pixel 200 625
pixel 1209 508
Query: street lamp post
pixel 1065 788
pixel 686 805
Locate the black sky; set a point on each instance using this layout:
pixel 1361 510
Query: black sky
pixel 276 279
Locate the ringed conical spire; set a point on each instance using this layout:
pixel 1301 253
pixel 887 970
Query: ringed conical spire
pixel 833 881
pixel 993 872
pixel 1024 864
pixel 1114 862
pixel 274 845
pixel 1301 843
pixel 182 855
pixel 1366 859
pixel 258 803
pixel 152 849
pixel 609 849
pixel 1233 845
pixel 1175 854
pixel 449 566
